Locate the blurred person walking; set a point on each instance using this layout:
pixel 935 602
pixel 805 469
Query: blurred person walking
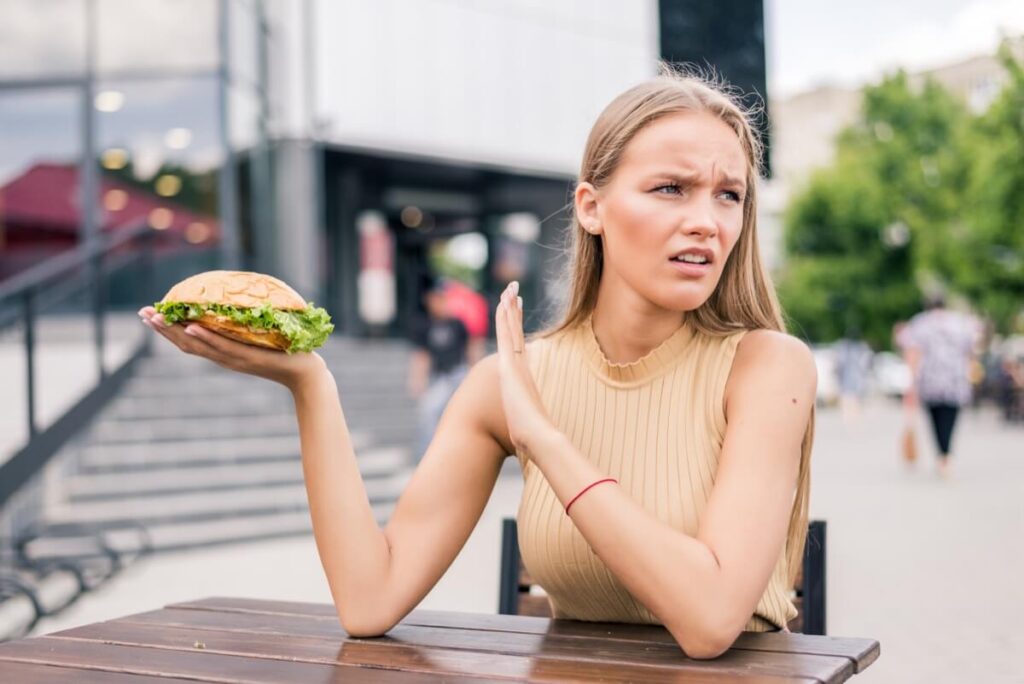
pixel 938 345
pixel 444 352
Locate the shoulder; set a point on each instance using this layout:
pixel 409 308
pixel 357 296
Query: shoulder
pixel 768 358
pixel 774 345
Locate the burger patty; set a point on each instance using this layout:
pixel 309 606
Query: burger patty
pixel 272 339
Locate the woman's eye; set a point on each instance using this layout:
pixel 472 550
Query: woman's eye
pixel 671 186
pixel 733 196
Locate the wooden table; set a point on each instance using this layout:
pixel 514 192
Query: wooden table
pixel 243 640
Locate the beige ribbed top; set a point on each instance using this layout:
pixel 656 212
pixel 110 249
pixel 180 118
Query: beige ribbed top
pixel 657 426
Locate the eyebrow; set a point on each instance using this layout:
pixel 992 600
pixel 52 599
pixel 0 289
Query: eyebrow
pixel 689 176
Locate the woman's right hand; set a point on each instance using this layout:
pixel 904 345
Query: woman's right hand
pixel 289 370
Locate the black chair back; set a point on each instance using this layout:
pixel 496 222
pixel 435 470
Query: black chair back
pixel 514 596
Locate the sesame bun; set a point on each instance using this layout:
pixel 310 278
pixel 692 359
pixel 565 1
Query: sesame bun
pixel 236 288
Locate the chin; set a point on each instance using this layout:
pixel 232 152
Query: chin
pixel 685 296
pixel 680 302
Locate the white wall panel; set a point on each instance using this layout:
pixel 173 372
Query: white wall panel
pixel 511 82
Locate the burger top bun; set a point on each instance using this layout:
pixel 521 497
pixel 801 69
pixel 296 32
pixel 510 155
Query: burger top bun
pixel 236 288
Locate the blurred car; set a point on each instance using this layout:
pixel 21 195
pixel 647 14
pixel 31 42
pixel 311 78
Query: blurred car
pixel 828 378
pixel 891 375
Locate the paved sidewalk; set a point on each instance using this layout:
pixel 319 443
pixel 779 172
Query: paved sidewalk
pixel 931 568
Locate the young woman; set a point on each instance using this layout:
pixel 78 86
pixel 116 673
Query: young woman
pixel 663 428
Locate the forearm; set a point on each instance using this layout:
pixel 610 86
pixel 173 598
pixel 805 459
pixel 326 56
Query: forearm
pixel 353 550
pixel 676 576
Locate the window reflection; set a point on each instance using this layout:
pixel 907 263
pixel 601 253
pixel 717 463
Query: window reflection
pixel 158 143
pixel 160 154
pixel 42 38
pixel 167 34
pixel 39 200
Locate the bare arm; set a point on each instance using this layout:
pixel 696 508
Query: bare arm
pixel 377 576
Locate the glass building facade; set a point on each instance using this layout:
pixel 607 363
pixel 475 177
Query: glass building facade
pixel 116 114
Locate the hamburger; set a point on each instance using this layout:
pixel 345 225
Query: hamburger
pixel 253 308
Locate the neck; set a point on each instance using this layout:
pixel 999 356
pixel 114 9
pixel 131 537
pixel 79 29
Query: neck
pixel 628 327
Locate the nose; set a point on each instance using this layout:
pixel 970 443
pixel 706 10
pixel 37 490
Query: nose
pixel 699 220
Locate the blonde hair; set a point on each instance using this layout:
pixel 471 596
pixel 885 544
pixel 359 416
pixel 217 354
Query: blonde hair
pixel 745 297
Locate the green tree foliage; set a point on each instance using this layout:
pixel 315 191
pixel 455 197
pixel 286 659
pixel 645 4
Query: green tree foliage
pixel 861 228
pixel 920 193
pixel 991 269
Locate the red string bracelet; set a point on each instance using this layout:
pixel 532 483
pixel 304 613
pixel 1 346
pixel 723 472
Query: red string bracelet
pixel 587 489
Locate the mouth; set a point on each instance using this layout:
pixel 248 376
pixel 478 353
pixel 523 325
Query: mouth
pixel 693 262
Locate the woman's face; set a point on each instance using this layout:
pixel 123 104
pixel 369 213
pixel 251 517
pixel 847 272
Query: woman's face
pixel 672 211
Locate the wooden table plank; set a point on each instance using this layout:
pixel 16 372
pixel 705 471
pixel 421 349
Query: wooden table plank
pixel 861 652
pixel 34 673
pixel 241 641
pixel 265 606
pixel 210 667
pixel 387 653
pixel 734 662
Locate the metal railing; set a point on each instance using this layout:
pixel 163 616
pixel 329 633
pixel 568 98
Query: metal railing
pixel 22 298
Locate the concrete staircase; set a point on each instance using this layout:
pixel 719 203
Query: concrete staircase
pixel 190 455
pixel 199 455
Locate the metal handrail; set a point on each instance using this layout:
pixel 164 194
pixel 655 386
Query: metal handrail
pixel 38 276
pixel 25 289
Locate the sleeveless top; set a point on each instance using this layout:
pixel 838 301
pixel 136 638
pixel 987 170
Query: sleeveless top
pixel 656 425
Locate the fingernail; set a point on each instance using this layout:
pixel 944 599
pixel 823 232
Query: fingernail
pixel 519 301
pixel 190 331
pixel 515 287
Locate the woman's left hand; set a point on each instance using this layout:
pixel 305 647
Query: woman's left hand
pixel 527 419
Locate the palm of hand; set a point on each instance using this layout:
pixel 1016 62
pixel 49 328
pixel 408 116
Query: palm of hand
pixel 277 366
pixel 524 410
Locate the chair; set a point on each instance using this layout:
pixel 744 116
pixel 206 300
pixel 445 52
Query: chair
pixel 515 597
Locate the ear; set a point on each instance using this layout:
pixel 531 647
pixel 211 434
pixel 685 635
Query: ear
pixel 587 209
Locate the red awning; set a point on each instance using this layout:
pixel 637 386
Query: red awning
pixel 47 197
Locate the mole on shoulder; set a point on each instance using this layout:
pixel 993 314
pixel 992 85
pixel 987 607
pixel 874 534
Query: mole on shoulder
pixel 794 400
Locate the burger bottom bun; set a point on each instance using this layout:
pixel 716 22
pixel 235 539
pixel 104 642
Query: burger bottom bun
pixel 271 339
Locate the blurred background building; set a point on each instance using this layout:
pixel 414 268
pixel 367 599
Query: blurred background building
pixel 805 125
pixel 347 147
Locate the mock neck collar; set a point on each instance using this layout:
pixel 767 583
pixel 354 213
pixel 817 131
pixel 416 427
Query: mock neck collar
pixel 652 364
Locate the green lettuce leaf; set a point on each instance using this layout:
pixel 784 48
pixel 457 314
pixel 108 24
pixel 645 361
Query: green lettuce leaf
pixel 305 330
